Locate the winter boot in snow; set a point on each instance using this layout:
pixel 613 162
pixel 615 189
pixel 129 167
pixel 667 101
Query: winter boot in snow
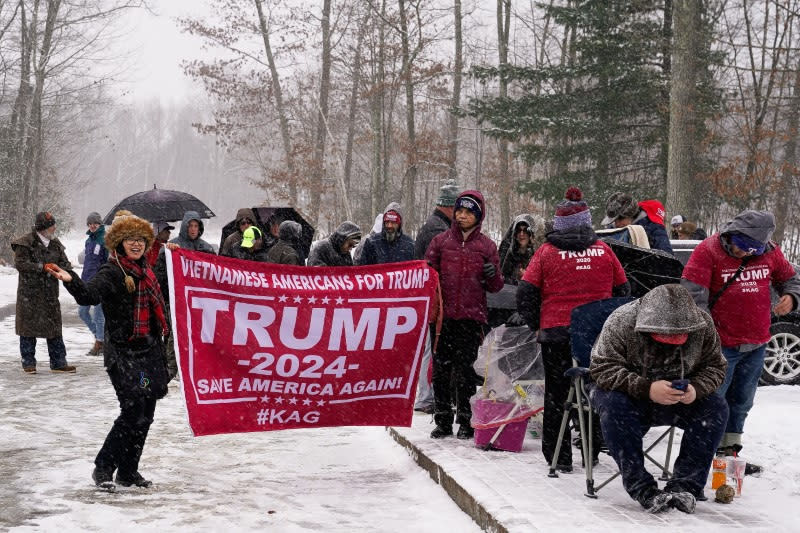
pixel 465 432
pixel 135 479
pixel 654 500
pixel 97 349
pixel 682 501
pixel 442 431
pixel 103 479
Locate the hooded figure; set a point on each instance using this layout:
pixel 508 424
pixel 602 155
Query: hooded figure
pixel 287 250
pixel 643 347
pixel 390 245
pixel 571 268
pixel 335 250
pixel 730 274
pixel 244 219
pixel 377 227
pixel 514 257
pixel 38 313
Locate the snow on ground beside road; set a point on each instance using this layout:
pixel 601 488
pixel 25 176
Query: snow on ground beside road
pixel 330 479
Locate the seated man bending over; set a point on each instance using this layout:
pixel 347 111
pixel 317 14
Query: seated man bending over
pixel 657 362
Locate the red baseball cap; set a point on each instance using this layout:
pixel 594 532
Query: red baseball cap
pixel 670 338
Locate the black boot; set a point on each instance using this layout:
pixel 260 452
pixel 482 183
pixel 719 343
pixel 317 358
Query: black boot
pixel 441 431
pixel 465 432
pixel 103 479
pixel 135 479
pixel 654 500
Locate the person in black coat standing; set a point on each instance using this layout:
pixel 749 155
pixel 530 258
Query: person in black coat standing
pixel 134 350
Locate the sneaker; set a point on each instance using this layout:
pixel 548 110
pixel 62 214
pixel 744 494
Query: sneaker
pixel 103 479
pixel 440 432
pixel 655 500
pixel 465 432
pixel 564 468
pixel 135 479
pixel 97 349
pixel 66 369
pixel 682 501
pixel 29 369
pixel 427 409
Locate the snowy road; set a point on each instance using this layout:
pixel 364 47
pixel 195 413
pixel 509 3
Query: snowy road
pixel 336 479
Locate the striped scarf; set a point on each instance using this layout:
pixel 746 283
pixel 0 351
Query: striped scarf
pixel 148 298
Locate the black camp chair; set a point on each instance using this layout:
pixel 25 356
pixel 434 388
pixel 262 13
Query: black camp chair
pixel 586 323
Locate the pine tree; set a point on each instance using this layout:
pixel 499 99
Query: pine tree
pixel 598 120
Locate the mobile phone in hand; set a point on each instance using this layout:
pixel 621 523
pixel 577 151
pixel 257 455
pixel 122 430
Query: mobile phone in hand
pixel 51 267
pixel 680 384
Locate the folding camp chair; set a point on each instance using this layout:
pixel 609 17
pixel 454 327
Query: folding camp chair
pixel 586 323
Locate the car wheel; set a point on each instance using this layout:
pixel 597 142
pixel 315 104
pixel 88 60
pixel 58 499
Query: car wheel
pixel 782 360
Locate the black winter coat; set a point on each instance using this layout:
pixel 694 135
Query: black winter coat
pixel 377 250
pixel 436 224
pixel 108 288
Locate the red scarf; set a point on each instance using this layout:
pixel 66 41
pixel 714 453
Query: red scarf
pixel 148 296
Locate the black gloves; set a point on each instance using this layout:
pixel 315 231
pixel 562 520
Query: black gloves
pixel 489 270
pixel 515 321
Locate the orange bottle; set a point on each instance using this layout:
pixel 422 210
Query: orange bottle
pixel 719 468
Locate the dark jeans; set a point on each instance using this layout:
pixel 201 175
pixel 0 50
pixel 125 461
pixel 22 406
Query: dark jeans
pixel 457 350
pixel 55 349
pixel 557 359
pixel 625 421
pixel 125 442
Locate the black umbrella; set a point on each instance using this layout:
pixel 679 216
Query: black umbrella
pixel 646 268
pixel 266 216
pixel 160 204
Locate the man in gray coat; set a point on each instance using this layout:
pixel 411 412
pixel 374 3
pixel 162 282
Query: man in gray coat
pixel 658 362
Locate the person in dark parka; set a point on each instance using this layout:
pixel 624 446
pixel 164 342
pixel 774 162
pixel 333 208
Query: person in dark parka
pixel 95 254
pixel 521 240
pixel 391 245
pixel 335 250
pixel 250 247
pixel 134 351
pixel 38 313
pixel 287 250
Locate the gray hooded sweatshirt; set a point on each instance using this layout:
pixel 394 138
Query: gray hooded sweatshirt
pixel 626 358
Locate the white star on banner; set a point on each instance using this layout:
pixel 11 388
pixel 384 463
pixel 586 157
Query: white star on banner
pixel 293 401
pixel 283 299
pixel 320 402
pixel 312 299
pixel 264 399
pixel 297 299
pixel 306 402
pixel 278 400
pixel 339 300
pixel 326 300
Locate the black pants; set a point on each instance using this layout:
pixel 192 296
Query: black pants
pixel 456 351
pixel 557 359
pixel 124 444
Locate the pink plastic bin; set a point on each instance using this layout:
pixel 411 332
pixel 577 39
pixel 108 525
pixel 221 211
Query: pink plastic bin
pixel 512 436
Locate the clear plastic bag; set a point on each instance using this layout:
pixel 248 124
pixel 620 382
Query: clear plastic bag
pixel 510 360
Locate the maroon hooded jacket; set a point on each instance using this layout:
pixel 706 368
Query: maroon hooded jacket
pixel 460 266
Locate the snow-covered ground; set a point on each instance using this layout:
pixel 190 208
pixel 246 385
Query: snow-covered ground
pixel 333 479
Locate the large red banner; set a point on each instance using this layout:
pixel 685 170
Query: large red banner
pixel 263 347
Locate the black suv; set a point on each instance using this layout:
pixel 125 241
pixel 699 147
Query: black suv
pixel 782 362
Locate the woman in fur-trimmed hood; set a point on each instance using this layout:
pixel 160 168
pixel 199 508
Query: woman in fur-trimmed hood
pixel 134 350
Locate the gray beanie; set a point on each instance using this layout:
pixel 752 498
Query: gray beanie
pixel 448 193
pixel 94 218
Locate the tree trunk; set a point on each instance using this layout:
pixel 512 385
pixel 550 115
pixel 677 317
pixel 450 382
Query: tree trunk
pixel 789 171
pixel 318 164
pixel 682 101
pixel 455 101
pixel 351 116
pixel 503 26
pixel 378 185
pixel 410 176
pixel 279 105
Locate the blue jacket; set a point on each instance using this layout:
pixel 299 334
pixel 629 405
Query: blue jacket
pixel 95 253
pixel 656 233
pixel 377 250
